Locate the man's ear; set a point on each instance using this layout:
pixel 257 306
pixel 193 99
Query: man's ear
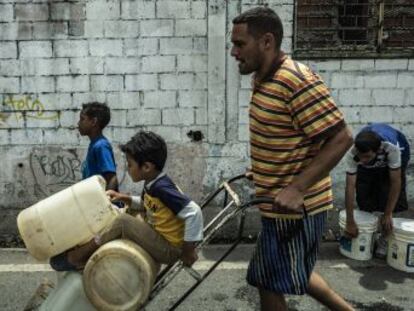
pixel 269 41
pixel 147 166
pixel 95 121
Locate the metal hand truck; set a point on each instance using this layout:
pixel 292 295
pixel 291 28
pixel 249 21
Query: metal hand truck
pixel 232 207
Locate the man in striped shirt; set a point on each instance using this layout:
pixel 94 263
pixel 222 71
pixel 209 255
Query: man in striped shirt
pixel 297 135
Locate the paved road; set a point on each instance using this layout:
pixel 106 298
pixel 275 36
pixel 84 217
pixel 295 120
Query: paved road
pixel 370 286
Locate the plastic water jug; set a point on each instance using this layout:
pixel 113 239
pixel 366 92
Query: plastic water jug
pixel 119 276
pixel 401 245
pixel 67 218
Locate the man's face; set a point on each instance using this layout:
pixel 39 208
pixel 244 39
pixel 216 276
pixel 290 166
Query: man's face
pixel 246 49
pixel 85 124
pixel 366 157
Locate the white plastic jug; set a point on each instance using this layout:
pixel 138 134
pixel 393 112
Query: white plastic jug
pixel 119 276
pixel 361 247
pixel 68 218
pixel 401 245
pixel 68 295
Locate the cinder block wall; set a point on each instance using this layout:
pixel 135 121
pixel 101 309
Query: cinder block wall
pixel 162 66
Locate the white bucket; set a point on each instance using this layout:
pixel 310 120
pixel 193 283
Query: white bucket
pixel 359 248
pixel 401 245
pixel 119 276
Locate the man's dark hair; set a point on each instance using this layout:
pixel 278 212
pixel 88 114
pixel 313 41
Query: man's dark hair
pixel 261 20
pixel 99 111
pixel 147 147
pixel 367 141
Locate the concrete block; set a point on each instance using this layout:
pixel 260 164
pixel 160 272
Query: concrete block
pixel 105 47
pixel 56 101
pixel 57 136
pixel 25 137
pixel 72 84
pixel 118 118
pixel 200 46
pixel 121 65
pixel 107 83
pixel 182 81
pixel 38 84
pixel 44 66
pixel 377 114
pixel 87 65
pixel 83 98
pixel 48 30
pixel 191 27
pixel 158 64
pixel 198 9
pixel 200 81
pixel 35 49
pixel 192 63
pixel 120 135
pixel 244 115
pixel 351 114
pixel 243 133
pixel 160 99
pixel 246 82
pixel 388 97
pixel 48 119
pixel 71 48
pixel 173 9
pixel 192 99
pixel 10 68
pixel 391 64
pixel 24 31
pixel 411 64
pixel 157 28
pixel 141 82
pixel 9 85
pixel 169 133
pixel 409 97
pixel 8 50
pixel 403 115
pixel 170 46
pixel 137 9
pixel 76 29
pixel 6 12
pixel 201 116
pixel 405 80
pixel 355 97
pixel 124 100
pixel 69 119
pixel 178 116
pixel 345 80
pixel 32 12
pixel 140 117
pixel 381 80
pixel 103 10
pixel 357 64
pixel 325 65
pixel 67 11
pixel 141 46
pixel 121 29
pixel 9 31
pixel 4 136
pixel 94 29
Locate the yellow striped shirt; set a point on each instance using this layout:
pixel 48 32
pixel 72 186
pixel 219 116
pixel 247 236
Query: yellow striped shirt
pixel 291 113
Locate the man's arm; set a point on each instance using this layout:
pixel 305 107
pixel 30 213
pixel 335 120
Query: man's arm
pixel 393 194
pixel 111 181
pixel 291 197
pixel 351 227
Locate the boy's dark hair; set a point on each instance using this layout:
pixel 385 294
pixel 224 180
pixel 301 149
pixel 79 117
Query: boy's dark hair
pixel 261 20
pixel 367 141
pixel 147 147
pixel 99 111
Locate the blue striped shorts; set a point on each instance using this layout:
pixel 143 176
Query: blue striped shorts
pixel 285 254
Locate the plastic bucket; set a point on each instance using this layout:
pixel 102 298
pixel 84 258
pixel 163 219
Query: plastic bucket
pixel 359 248
pixel 401 245
pixel 67 218
pixel 119 276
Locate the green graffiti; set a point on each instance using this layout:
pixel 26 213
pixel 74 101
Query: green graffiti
pixel 33 109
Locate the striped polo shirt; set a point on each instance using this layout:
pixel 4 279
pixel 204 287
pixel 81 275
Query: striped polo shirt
pixel 291 114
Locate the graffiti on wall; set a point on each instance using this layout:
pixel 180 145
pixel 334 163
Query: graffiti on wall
pixel 25 106
pixel 54 169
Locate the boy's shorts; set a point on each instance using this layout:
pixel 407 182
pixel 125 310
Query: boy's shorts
pixel 60 263
pixel 285 254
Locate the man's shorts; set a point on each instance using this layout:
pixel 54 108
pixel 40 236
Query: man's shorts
pixel 285 254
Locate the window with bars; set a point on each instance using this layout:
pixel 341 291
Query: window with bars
pixel 353 28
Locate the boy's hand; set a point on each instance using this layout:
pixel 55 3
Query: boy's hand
pixel 189 254
pixel 119 197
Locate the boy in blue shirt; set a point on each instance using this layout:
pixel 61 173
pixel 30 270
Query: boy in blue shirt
pixel 94 117
pixel 173 223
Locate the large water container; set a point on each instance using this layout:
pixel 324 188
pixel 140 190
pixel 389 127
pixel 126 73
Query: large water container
pixel 68 218
pixel 401 245
pixel 119 276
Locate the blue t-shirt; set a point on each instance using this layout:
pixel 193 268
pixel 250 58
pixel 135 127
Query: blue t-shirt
pixel 99 159
pixel 393 136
